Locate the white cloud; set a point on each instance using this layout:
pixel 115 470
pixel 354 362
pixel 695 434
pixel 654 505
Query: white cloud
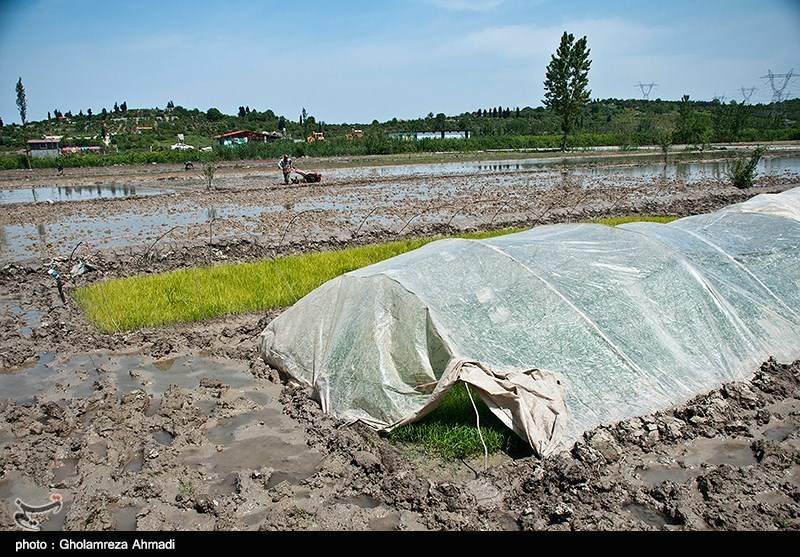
pixel 617 35
pixel 511 41
pixel 612 36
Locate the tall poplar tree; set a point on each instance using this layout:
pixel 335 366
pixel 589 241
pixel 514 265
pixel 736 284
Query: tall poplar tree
pixel 567 81
pixel 22 104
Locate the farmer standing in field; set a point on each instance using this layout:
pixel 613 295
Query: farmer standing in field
pixel 286 164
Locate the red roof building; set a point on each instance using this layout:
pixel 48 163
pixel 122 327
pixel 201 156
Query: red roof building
pixel 43 148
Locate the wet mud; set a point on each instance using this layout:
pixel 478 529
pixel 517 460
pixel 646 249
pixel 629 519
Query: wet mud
pixel 185 428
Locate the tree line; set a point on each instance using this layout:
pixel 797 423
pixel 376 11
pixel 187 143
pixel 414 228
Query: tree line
pixel 567 112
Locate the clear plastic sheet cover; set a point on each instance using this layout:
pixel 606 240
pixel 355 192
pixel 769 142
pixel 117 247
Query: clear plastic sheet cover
pixel 560 328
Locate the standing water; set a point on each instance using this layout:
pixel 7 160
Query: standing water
pixel 386 189
pixel 38 194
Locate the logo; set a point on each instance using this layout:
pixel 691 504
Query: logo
pixel 25 517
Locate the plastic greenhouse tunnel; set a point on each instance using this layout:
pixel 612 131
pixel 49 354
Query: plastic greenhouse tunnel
pixel 560 328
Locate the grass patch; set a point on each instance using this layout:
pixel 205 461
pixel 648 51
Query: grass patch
pixel 190 295
pixel 633 218
pixel 451 430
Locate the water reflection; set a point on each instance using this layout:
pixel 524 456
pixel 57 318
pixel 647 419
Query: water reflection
pixel 377 201
pixel 75 193
pixel 41 232
pixel 629 167
pixel 692 171
pixel 499 167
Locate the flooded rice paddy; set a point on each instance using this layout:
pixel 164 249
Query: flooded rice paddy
pixel 395 198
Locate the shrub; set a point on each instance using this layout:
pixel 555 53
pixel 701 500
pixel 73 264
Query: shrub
pixel 7 162
pixel 742 171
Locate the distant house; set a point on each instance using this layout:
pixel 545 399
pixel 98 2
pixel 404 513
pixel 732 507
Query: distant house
pixel 429 135
pixel 44 148
pixel 245 136
pixel 272 136
pixel 456 135
pixel 84 150
pixel 140 129
pixel 238 137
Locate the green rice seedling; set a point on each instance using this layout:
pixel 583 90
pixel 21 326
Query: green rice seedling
pixel 490 233
pixel 663 219
pixel 190 295
pixel 451 431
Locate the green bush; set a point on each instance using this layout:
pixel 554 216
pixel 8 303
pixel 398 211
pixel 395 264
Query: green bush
pixel 742 170
pixel 8 162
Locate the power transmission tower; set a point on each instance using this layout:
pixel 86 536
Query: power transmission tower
pixel 747 93
pixel 646 88
pixel 777 90
pixel 721 99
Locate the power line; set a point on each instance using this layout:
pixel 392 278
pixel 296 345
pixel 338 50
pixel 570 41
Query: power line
pixel 646 88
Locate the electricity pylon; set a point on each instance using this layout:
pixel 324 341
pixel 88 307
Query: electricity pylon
pixel 777 90
pixel 646 88
pixel 747 93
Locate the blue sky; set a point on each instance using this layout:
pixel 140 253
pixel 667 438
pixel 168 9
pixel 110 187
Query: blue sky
pixel 359 61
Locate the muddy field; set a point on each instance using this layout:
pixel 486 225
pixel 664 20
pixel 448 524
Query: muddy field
pixel 185 428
